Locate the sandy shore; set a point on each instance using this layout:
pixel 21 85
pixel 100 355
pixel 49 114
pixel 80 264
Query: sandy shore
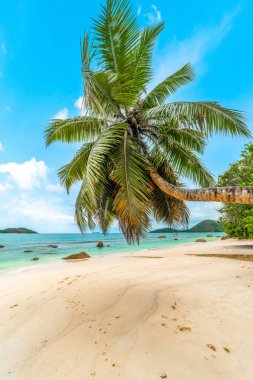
pixel 143 316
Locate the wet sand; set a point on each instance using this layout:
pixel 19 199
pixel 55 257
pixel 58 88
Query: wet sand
pixel 168 313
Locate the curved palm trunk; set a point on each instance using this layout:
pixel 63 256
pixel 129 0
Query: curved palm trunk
pixel 230 194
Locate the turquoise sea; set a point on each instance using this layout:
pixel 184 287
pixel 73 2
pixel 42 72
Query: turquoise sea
pixel 13 255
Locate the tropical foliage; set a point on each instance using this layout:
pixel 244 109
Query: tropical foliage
pixel 239 218
pixel 128 131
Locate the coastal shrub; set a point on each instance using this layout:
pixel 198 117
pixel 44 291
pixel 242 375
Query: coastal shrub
pixel 238 219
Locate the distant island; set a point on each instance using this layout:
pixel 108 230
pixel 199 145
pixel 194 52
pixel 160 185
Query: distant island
pixel 19 230
pixel 204 226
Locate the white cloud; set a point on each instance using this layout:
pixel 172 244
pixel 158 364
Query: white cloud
pixel 1 147
pixel 40 210
pixel 79 105
pixel 203 210
pixel 56 188
pixel 192 49
pixel 5 186
pixel 28 175
pixel 139 10
pixel 154 16
pixel 37 212
pixel 157 13
pixel 31 197
pixel 3 48
pixel 62 114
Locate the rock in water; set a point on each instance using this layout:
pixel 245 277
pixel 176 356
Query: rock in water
pixel 77 256
pixel 28 251
pixel 100 244
pixel 209 235
pixel 52 246
pixel 201 240
pixel 35 259
pixel 162 237
pixel 2 246
pixel 225 237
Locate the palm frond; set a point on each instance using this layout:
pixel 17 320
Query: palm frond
pixel 171 211
pixel 168 87
pixel 75 170
pixel 84 209
pixel 106 216
pixel 184 161
pixel 104 146
pixel 208 117
pixel 141 68
pixel 167 209
pixel 116 32
pixel 190 139
pixel 76 129
pixel 132 201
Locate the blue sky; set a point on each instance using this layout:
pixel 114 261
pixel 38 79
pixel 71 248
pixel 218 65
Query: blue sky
pixel 40 78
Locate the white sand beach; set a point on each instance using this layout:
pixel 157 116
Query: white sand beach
pixel 155 314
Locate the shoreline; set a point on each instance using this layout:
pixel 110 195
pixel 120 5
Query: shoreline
pixel 26 262
pixel 141 315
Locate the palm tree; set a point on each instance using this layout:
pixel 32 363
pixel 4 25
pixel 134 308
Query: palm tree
pixel 134 145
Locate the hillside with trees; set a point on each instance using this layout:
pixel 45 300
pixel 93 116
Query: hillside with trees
pixel 238 218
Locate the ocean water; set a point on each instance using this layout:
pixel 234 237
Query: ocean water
pixel 13 255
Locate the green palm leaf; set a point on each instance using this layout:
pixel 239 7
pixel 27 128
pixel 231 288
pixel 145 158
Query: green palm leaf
pixel 116 32
pixel 77 129
pixel 208 117
pixel 75 170
pixel 141 68
pixel 104 146
pixel 106 216
pixel 190 139
pixel 132 200
pixel 168 87
pixel 84 209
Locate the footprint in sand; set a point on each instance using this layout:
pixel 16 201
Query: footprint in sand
pixel 163 376
pixel 13 305
pixel 173 307
pixel 164 324
pixel 164 316
pixel 184 328
pixel 227 350
pixel 211 347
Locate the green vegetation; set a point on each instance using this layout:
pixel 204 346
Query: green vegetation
pixel 19 230
pixel 204 226
pixel 136 146
pixel 238 219
pixel 165 230
pixel 207 226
